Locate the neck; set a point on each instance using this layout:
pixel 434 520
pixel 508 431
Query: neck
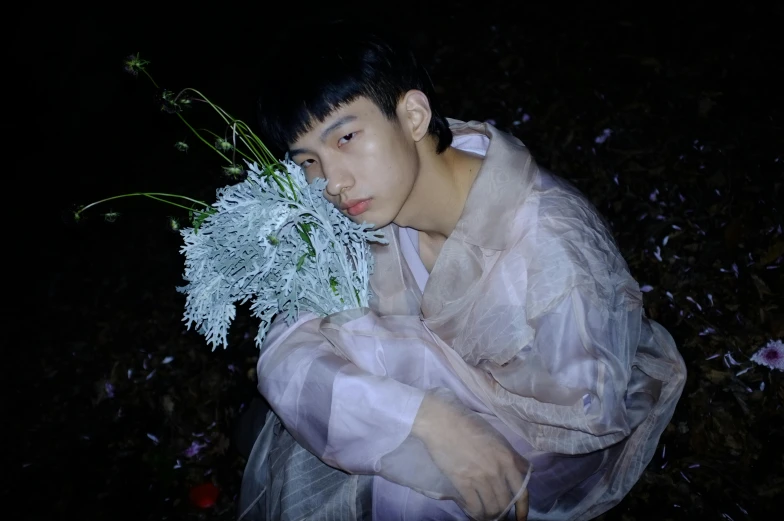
pixel 440 191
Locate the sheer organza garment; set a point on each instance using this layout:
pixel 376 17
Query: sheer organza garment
pixel 530 322
pixel 348 389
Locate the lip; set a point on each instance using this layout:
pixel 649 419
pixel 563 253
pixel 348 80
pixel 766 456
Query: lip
pixel 355 207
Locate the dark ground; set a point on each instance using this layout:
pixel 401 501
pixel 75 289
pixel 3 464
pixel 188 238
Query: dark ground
pixel 98 421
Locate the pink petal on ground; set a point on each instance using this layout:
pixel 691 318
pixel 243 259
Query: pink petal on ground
pixel 601 138
pixel 194 449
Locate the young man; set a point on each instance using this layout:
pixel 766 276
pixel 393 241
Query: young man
pixel 505 368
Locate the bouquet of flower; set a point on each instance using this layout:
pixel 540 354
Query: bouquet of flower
pixel 271 239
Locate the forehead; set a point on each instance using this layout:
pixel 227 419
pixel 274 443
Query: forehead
pixel 360 110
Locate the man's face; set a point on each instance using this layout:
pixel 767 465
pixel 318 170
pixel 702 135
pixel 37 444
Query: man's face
pixel 369 162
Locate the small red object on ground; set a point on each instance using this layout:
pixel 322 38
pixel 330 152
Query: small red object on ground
pixel 204 496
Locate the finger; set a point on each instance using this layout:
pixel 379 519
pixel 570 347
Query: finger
pixel 521 507
pixel 473 503
pixel 490 494
pixel 503 495
pixel 514 480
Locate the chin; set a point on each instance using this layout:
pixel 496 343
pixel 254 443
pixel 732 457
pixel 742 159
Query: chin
pixel 375 222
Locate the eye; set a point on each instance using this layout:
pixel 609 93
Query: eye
pixel 345 139
pixel 306 163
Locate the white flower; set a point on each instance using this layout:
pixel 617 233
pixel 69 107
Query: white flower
pixel 772 355
pixel 277 242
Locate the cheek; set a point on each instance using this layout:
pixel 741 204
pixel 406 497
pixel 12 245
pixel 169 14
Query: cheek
pixel 404 171
pixel 401 162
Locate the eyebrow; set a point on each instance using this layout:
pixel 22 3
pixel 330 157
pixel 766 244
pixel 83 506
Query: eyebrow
pixel 326 132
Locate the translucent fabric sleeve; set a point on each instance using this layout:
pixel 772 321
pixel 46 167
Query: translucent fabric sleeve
pixel 328 404
pixel 348 388
pixel 580 373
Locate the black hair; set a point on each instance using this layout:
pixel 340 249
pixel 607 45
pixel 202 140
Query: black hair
pixel 338 63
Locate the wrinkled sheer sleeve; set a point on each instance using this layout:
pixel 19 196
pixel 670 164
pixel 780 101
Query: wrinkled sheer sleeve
pixel 348 388
pixel 590 343
pixel 328 404
pixel 583 353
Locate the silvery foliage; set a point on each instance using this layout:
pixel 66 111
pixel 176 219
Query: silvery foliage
pixel 252 249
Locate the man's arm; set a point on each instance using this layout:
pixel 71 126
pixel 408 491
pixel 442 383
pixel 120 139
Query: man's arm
pixel 347 417
pixel 365 417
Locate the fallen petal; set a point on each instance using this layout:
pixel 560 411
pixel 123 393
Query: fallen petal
pixel 731 360
pixel 194 449
pixel 694 302
pixel 601 138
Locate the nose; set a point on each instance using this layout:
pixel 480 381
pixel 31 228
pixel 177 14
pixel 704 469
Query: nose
pixel 338 180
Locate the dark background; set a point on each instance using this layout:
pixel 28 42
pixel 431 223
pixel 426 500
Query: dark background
pixel 691 93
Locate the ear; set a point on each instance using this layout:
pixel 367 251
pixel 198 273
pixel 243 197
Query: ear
pixel 415 114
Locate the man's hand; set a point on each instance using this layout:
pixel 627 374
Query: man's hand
pixel 481 464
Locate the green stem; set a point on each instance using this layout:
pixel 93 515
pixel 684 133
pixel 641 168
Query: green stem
pixel 240 131
pixel 240 152
pixel 150 77
pixel 151 195
pixel 204 140
pixel 258 148
pixel 173 204
pixel 265 155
